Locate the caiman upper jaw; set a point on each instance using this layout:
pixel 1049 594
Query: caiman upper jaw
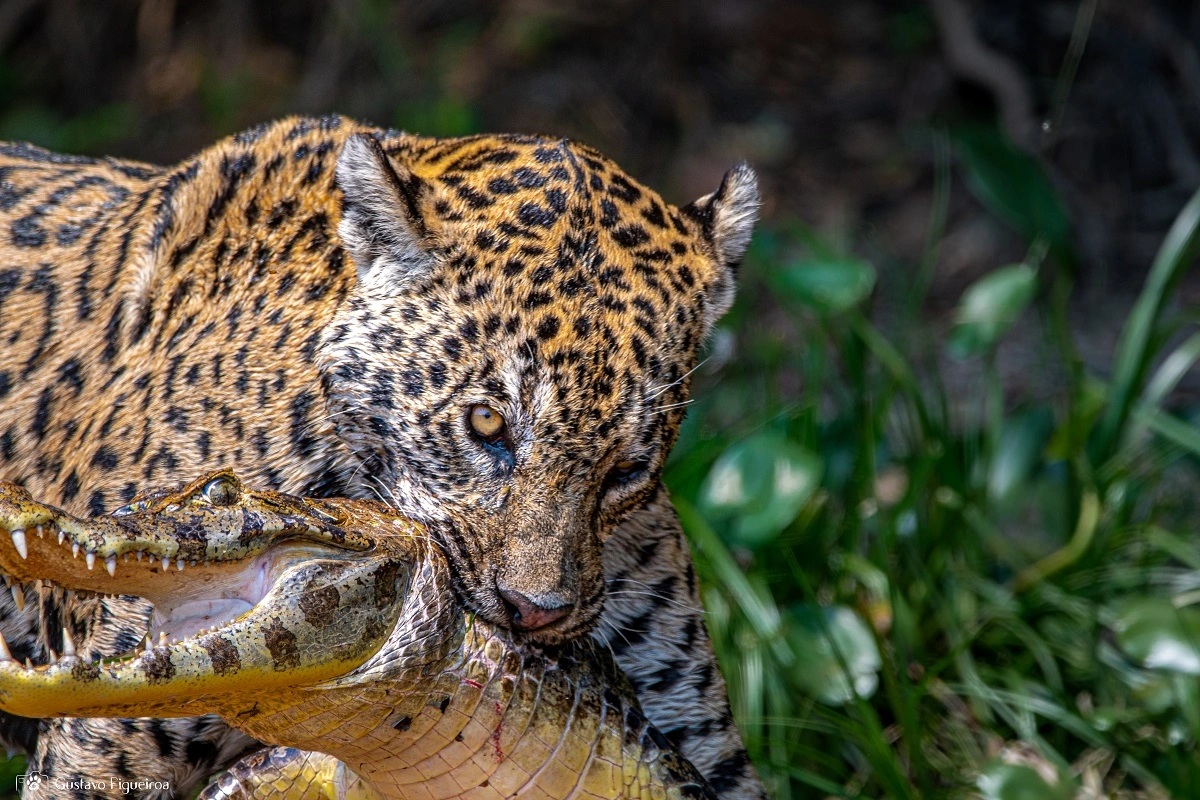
pixel 213 521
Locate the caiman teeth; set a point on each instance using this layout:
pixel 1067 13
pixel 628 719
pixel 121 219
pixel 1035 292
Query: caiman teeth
pixel 68 645
pixel 110 564
pixel 74 549
pixel 18 595
pixel 5 655
pixel 166 563
pixel 62 536
pixel 90 558
pixel 18 537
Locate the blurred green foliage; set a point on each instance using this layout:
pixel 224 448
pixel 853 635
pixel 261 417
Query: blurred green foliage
pixel 1009 586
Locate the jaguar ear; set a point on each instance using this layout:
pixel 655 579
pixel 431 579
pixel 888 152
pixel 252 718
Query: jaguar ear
pixel 381 227
pixel 726 219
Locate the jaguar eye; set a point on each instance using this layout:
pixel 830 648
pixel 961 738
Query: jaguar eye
pixel 220 492
pixel 487 424
pixel 624 472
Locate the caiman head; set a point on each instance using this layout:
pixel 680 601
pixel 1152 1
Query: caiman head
pixel 252 590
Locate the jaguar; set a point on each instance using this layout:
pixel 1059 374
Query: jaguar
pixel 493 333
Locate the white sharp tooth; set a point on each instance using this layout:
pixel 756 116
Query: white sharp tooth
pixel 179 564
pixel 162 638
pixel 91 558
pixel 18 538
pixel 74 549
pixel 138 555
pixel 166 563
pixel 127 558
pixel 62 536
pixel 28 663
pixel 4 654
pixel 110 564
pixel 41 533
pixel 68 645
pixel 18 596
pixel 53 658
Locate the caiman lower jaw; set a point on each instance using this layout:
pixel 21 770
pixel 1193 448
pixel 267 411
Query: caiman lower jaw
pixel 319 619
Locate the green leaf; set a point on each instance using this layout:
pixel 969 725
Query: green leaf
pixel 1001 781
pixel 759 485
pixel 827 286
pixel 10 769
pixel 836 655
pixel 1019 453
pixel 1155 634
pixel 1014 187
pixel 1147 691
pixel 989 307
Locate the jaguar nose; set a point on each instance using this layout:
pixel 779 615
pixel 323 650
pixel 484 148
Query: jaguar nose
pixel 527 615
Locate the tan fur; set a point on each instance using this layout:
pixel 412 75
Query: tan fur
pixel 316 304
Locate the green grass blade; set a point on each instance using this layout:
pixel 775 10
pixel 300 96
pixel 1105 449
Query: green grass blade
pixel 1172 370
pixel 764 617
pixel 1134 352
pixel 1177 547
pixel 1171 428
pixel 810 779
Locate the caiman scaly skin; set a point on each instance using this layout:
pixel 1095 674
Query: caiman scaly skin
pixel 334 630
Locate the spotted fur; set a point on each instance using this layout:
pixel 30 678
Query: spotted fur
pixel 317 304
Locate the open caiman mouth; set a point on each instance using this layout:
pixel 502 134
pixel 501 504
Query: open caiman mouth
pixel 248 587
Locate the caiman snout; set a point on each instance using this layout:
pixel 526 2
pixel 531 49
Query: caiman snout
pixel 528 615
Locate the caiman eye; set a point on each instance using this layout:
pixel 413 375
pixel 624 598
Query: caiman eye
pixel 487 424
pixel 624 472
pixel 220 492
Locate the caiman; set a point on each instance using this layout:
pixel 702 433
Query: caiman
pixel 328 628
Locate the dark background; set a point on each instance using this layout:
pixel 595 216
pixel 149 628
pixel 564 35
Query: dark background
pixel 835 102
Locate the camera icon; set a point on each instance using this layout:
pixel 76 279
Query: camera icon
pixel 30 780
